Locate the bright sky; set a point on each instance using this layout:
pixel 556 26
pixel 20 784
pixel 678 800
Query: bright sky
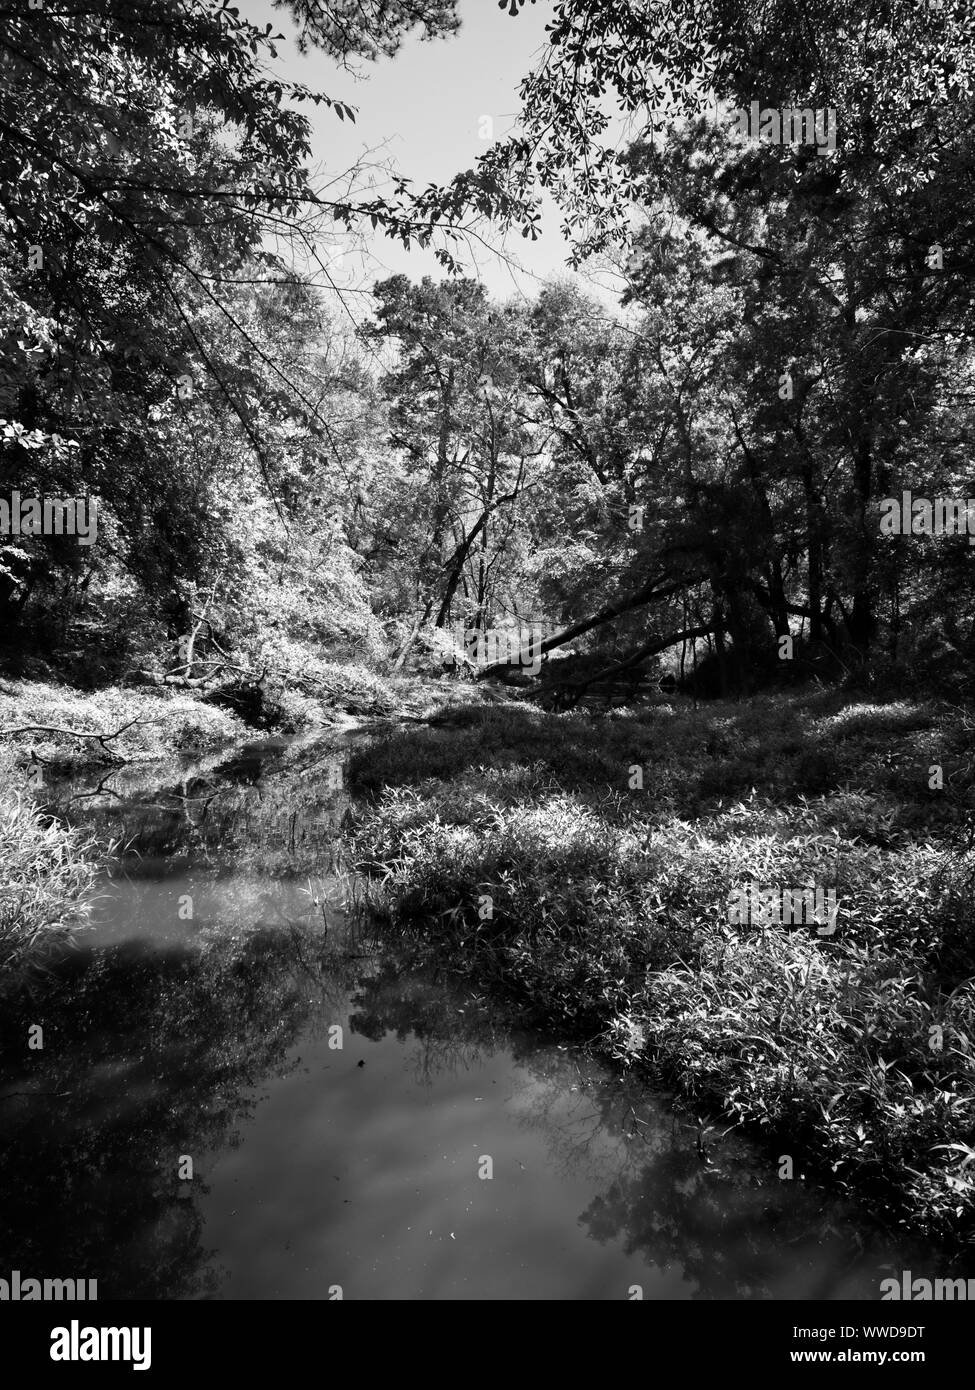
pixel 429 110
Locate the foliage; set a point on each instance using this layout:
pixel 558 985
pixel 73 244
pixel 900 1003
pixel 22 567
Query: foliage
pixel 162 723
pixel 609 915
pixel 48 877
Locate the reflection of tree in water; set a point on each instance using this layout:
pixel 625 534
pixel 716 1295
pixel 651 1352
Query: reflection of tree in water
pixel 734 1229
pixel 147 1055
pixel 451 1031
pixel 273 809
pixel 154 1053
pixel 726 1228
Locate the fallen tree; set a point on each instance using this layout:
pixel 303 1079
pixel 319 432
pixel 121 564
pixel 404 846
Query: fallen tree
pixel 103 738
pixel 648 593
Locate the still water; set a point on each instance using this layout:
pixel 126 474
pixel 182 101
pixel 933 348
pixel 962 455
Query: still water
pixel 353 1126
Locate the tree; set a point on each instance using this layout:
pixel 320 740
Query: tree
pixel 469 450
pixel 152 174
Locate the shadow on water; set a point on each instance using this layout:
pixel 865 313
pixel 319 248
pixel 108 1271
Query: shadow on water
pixel 342 1108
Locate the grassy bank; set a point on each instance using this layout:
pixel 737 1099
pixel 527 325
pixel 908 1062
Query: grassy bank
pixel 523 848
pixel 59 723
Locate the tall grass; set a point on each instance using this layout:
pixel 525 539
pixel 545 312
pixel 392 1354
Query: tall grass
pixel 46 875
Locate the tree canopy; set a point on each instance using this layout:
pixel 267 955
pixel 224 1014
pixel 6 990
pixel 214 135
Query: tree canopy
pixel 704 468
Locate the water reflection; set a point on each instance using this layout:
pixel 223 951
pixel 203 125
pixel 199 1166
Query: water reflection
pixel 213 1035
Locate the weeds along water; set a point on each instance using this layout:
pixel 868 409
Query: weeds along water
pixel 583 866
